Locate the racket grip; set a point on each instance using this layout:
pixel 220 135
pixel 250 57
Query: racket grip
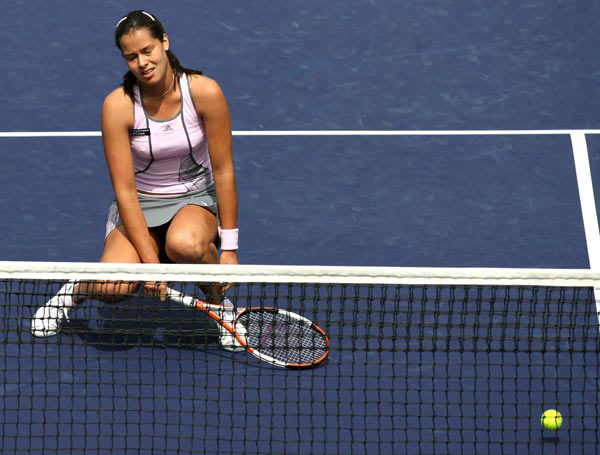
pixel 178 297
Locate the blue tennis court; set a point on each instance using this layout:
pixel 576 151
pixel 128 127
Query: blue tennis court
pixel 445 134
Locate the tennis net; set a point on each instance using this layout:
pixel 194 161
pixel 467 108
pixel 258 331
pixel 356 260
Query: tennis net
pixel 421 361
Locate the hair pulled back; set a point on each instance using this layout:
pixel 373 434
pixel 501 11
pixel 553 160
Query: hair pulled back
pixel 142 19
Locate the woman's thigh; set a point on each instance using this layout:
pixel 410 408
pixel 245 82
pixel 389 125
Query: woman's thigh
pixel 118 247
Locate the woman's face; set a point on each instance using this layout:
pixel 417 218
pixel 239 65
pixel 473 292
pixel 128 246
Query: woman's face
pixel 145 55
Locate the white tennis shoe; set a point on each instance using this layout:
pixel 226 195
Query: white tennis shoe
pixel 226 339
pixel 48 319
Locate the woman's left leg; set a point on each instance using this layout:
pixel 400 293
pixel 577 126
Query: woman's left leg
pixel 191 239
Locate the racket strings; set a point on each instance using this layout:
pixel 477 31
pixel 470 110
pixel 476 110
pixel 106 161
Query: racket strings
pixel 282 337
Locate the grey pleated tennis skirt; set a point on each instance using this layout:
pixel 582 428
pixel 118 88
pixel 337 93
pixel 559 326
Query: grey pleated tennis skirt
pixel 161 210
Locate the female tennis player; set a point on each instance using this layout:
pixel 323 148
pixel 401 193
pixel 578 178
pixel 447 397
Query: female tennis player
pixel 167 139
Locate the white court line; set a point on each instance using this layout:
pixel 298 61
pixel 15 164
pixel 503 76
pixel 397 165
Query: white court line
pixel 588 206
pixel 412 132
pixel 50 133
pixel 8 134
pixel 586 196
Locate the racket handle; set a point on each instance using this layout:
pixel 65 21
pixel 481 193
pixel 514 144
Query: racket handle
pixel 178 297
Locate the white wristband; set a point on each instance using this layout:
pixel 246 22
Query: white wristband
pixel 229 239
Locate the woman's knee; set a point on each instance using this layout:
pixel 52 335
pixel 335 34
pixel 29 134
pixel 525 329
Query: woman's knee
pixel 185 247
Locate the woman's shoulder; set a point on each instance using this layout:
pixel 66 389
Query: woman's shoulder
pixel 117 99
pixel 204 90
pixel 118 108
pixel 203 85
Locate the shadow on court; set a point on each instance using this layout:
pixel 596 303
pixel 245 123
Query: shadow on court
pixel 142 323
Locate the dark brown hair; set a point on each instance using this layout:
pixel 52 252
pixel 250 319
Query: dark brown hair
pixel 142 19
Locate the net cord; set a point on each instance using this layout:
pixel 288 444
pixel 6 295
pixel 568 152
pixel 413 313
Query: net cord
pixel 298 274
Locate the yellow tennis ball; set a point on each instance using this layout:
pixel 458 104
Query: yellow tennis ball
pixel 551 419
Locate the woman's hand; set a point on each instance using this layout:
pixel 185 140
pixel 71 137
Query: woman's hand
pixel 156 289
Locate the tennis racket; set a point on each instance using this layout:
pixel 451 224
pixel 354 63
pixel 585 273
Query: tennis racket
pixel 275 336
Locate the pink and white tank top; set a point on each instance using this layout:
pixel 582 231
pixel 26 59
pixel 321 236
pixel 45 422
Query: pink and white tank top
pixel 170 156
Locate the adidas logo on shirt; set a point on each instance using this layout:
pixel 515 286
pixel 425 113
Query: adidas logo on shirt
pixel 167 128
